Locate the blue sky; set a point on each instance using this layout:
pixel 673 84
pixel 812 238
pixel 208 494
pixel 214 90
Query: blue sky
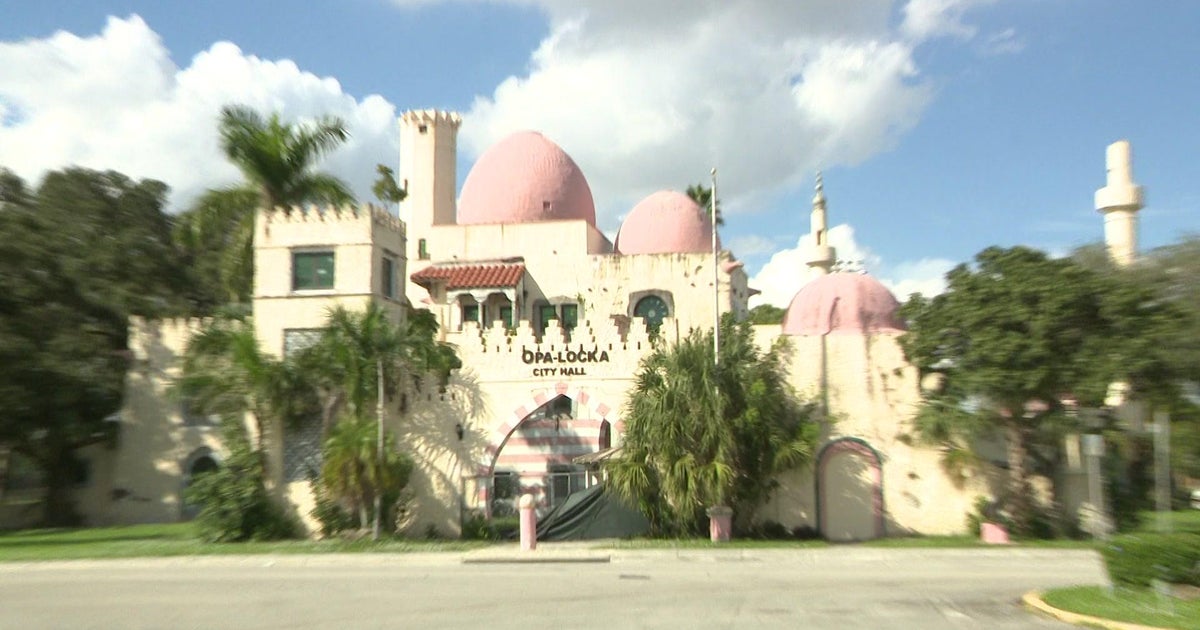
pixel 942 126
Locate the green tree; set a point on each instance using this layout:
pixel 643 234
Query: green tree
pixel 234 503
pixel 226 372
pixel 767 314
pixel 702 195
pixel 363 358
pixel 698 434
pixel 278 160
pixel 1013 334
pixel 79 255
pixel 367 481
pixel 216 238
pixel 385 188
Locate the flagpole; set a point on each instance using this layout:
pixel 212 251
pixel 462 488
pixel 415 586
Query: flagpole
pixel 716 272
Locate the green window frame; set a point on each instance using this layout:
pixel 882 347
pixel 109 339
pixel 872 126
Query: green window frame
pixel 387 276
pixel 506 316
pixel 570 316
pixel 312 270
pixel 470 313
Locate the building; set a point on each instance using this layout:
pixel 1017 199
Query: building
pixel 550 319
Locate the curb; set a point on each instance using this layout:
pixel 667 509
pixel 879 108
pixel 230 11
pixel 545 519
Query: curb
pixel 1033 599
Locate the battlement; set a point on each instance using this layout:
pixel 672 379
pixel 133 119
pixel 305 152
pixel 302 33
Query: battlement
pixel 431 117
pixel 301 215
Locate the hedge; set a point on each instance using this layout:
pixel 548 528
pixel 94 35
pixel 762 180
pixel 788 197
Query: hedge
pixel 1133 560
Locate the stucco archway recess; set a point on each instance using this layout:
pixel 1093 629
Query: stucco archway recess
pixel 849 489
pixel 503 429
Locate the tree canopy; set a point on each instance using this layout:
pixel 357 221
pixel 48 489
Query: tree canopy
pixel 1017 335
pixel 80 254
pixel 699 434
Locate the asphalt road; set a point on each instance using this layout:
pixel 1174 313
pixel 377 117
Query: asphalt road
pixel 841 587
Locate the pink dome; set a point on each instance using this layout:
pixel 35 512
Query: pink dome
pixel 666 222
pixel 524 178
pixel 842 303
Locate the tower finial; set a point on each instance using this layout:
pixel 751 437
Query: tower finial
pixel 1119 201
pixel 821 257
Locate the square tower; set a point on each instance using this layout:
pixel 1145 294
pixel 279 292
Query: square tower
pixel 428 172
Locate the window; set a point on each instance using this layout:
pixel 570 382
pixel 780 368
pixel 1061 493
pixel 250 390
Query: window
pixel 470 313
pixel 546 312
pixel 312 270
pixel 652 309
pixel 422 249
pixel 297 339
pixel 387 277
pixel 506 316
pixel 570 316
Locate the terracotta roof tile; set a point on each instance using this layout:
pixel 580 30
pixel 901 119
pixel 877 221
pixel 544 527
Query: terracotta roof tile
pixel 470 276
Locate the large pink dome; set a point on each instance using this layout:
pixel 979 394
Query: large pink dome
pixel 842 303
pixel 523 178
pixel 666 222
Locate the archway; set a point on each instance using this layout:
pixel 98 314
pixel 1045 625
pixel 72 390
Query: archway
pixel 849 491
pixel 533 451
pixel 202 460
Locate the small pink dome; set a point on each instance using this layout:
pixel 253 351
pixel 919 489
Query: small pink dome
pixel 666 222
pixel 524 178
pixel 842 303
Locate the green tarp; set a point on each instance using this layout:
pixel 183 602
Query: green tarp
pixel 589 514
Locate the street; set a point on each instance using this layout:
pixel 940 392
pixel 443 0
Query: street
pixel 838 587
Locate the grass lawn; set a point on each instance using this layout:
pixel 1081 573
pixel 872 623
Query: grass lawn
pixel 178 539
pixel 1134 606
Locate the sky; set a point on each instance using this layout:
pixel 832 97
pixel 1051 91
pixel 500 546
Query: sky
pixel 941 127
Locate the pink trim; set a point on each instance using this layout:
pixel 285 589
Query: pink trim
pixel 503 432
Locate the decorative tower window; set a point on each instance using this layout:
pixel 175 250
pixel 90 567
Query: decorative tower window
pixel 312 270
pixel 653 310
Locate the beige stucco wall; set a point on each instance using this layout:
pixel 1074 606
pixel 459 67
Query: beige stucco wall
pixel 154 441
pixel 872 396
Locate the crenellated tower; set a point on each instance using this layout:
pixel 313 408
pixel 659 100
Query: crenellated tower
pixel 428 163
pixel 1119 201
pixel 821 256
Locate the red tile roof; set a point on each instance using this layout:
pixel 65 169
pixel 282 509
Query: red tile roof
pixel 470 276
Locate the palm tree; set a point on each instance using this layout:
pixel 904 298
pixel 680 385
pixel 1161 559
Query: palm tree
pixel 703 196
pixel 277 159
pixel 361 354
pixel 354 472
pixel 700 434
pixel 225 372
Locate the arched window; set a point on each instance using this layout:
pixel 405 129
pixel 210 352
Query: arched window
pixel 652 309
pixel 201 461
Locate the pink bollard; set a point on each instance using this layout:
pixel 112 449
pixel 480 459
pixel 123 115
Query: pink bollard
pixel 528 523
pixel 993 533
pixel 720 523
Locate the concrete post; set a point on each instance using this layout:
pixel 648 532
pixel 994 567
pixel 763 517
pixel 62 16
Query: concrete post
pixel 528 523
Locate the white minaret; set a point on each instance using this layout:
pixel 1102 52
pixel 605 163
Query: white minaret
pixel 1119 202
pixel 821 256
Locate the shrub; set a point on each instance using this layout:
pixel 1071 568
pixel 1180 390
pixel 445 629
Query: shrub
pixel 234 503
pixel 1133 560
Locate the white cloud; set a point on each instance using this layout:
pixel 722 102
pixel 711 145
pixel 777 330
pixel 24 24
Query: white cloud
pixel 1004 42
pixel 117 101
pixel 752 245
pixel 645 96
pixel 926 19
pixel 786 272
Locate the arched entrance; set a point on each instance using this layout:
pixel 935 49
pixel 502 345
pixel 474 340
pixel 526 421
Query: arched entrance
pixel 849 491
pixel 202 460
pixel 533 451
